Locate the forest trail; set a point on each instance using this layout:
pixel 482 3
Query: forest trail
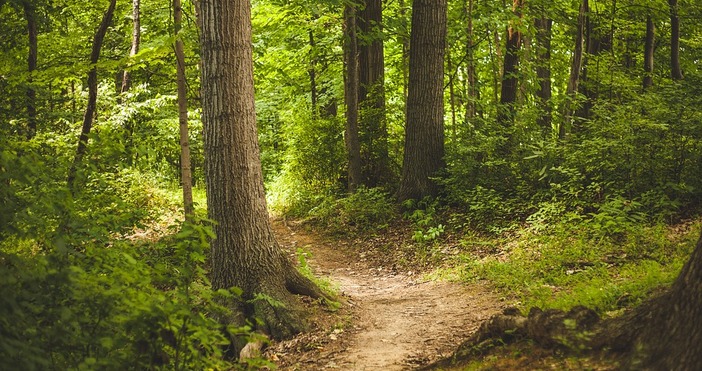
pixel 394 320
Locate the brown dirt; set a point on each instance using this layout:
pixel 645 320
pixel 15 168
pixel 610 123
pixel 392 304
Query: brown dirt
pixel 390 319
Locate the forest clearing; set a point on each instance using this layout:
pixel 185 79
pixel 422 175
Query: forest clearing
pixel 354 185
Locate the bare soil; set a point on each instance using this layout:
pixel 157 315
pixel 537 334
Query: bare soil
pixel 390 318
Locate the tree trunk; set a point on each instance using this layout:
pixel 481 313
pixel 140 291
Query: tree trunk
pixel 353 147
pixel 313 76
pixel 30 15
pixel 404 25
pixel 185 171
pixel 245 252
pixel 506 110
pixel 92 95
pixel 424 133
pixel 675 70
pixel 136 38
pixel 543 73
pixel 471 75
pixel 649 50
pixel 371 90
pixel 575 69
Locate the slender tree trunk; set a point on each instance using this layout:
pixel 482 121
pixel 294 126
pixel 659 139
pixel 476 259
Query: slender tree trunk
pixel 543 73
pixel 452 92
pixel 372 117
pixel 506 110
pixel 313 75
pixel 30 15
pixel 353 147
pixel 471 75
pixel 675 70
pixel 575 70
pixel 424 133
pixel 185 171
pixel 405 47
pixel 136 40
pixel 245 252
pixel 649 52
pixel 92 95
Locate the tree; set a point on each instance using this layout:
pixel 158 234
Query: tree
pixel 649 49
pixel 136 39
pixel 371 94
pixel 675 70
pixel 575 69
pixel 245 252
pixel 543 70
pixel 186 174
pixel 508 93
pixel 353 147
pixel 30 15
pixel 424 133
pixel 92 95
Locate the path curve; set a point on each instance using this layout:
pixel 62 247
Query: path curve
pixel 398 321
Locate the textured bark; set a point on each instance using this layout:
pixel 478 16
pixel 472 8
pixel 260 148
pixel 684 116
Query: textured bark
pixel 30 16
pixel 508 94
pixel 245 253
pixel 404 36
pixel 371 91
pixel 424 133
pixel 649 50
pixel 136 41
pixel 353 147
pixel 575 70
pixel 185 171
pixel 543 73
pixel 675 70
pixel 92 95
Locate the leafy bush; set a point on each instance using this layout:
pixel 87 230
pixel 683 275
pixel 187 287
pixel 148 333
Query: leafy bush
pixel 367 209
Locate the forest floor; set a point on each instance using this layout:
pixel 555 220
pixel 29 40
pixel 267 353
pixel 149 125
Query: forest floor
pixel 390 318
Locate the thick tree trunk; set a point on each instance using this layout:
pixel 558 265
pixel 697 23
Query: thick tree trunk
pixel 30 16
pixel 353 147
pixel 506 110
pixel 185 171
pixel 675 70
pixel 136 40
pixel 424 133
pixel 575 70
pixel 92 95
pixel 245 253
pixel 649 50
pixel 371 90
pixel 543 73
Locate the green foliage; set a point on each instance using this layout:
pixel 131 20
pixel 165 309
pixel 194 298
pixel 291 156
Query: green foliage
pixel 423 215
pixel 366 210
pixel 119 307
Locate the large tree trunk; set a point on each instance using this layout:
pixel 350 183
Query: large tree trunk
pixel 30 15
pixel 424 133
pixel 371 90
pixel 575 70
pixel 245 253
pixel 543 72
pixel 675 70
pixel 649 50
pixel 136 39
pixel 506 110
pixel 92 95
pixel 185 171
pixel 353 147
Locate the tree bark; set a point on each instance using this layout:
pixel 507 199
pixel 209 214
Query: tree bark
pixel 543 73
pixel 353 147
pixel 471 75
pixel 424 133
pixel 371 91
pixel 575 70
pixel 675 70
pixel 136 41
pixel 245 252
pixel 185 171
pixel 649 50
pixel 92 95
pixel 506 110
pixel 30 15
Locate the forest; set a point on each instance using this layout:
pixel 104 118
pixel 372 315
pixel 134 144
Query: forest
pixel 350 184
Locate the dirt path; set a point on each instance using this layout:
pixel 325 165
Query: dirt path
pixel 395 320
